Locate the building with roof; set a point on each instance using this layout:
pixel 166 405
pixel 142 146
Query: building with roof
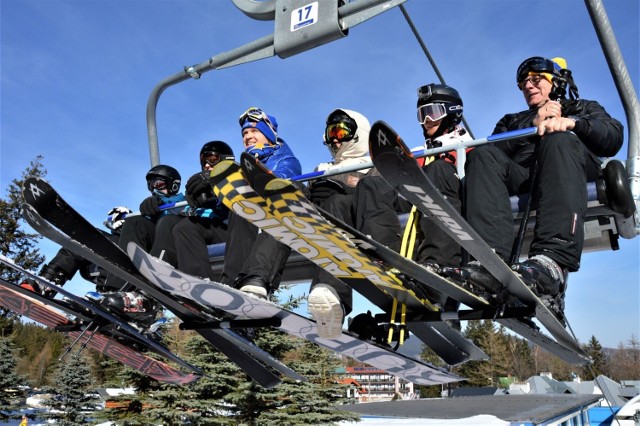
pixel 371 384
pixel 537 401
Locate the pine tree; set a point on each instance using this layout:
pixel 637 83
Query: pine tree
pixel 8 379
pixel 314 402
pixel 595 352
pixel 495 344
pixel 434 391
pixel 72 381
pixel 16 243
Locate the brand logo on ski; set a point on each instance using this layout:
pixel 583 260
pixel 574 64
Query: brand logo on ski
pixel 35 191
pixel 438 212
pixel 257 215
pixel 248 165
pixel 382 138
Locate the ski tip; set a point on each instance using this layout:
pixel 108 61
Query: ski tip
pixel 279 185
pixel 382 138
pixel 249 163
pixel 223 169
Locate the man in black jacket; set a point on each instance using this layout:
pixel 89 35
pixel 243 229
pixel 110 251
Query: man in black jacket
pixel 572 134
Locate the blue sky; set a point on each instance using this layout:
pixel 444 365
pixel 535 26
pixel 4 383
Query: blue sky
pixel 77 75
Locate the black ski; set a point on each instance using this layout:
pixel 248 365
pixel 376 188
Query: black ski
pixel 240 304
pixel 82 238
pixel 481 308
pixel 99 315
pixel 24 302
pixel 397 165
pixel 337 256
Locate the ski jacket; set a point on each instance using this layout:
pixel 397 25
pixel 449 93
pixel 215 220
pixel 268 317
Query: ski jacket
pixel 350 153
pixel 282 162
pixel 599 132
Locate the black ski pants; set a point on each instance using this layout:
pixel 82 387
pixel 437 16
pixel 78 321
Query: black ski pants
pixel 250 252
pixel 191 237
pixel 153 237
pixel 437 246
pixel 70 263
pixel 560 198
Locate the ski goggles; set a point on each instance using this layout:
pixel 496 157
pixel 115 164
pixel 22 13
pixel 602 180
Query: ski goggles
pixel 338 132
pixel 255 115
pixel 431 112
pixel 536 64
pixel 210 158
pixel 157 184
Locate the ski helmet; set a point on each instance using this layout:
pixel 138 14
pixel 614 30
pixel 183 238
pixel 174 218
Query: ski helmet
pixel 439 101
pixel 537 65
pixel 166 174
pixel 215 151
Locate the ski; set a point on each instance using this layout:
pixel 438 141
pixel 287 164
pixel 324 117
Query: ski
pixel 335 255
pixel 100 316
pixel 44 205
pixel 481 307
pixel 397 165
pixel 11 298
pixel 223 297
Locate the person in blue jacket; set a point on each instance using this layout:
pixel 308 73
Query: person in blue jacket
pixel 254 261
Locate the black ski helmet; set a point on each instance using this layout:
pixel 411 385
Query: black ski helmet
pixel 222 149
pixel 441 93
pixel 168 174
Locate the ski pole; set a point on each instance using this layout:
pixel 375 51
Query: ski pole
pixel 162 208
pixel 420 152
pixel 417 153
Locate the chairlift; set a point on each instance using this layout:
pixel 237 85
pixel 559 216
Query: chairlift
pixel 301 26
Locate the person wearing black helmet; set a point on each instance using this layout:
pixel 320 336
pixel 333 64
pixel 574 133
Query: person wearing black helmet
pixel 572 134
pixel 206 221
pixel 440 113
pixel 164 184
pixel 146 230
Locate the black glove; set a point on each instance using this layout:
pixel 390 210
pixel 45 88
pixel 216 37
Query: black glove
pixel 322 189
pixel 199 192
pixel 150 206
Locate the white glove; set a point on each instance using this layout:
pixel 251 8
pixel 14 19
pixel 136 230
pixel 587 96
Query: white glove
pixel 116 217
pixel 449 139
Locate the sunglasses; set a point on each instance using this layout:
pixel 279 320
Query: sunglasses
pixel 431 112
pixel 534 79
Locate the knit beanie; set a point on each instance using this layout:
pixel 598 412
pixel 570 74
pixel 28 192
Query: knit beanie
pixel 263 127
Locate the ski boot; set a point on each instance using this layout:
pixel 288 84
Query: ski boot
pixel 327 310
pixel 51 273
pixel 253 285
pixel 134 307
pixel 475 278
pixel 366 327
pixel 547 280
